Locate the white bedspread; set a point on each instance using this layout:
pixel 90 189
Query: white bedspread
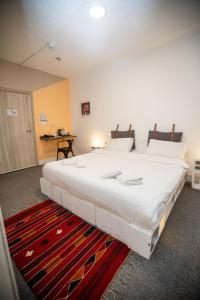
pixel 142 204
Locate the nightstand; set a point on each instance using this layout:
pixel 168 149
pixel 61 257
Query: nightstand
pixel 196 174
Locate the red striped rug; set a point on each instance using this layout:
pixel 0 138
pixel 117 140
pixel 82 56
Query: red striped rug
pixel 60 255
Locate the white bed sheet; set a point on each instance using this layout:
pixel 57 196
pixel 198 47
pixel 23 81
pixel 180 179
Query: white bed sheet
pixel 141 205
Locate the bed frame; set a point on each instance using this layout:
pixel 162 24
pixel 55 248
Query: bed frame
pixel 139 240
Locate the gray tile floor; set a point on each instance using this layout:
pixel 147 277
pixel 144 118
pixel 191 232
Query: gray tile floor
pixel 172 273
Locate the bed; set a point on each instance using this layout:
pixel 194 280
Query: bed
pixel 136 215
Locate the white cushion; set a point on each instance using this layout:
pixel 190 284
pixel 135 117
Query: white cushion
pixel 121 144
pixel 166 149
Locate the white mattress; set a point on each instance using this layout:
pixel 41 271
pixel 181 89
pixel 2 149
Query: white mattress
pixel 141 205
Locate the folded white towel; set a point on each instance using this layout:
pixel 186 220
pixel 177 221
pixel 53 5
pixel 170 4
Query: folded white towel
pixel 111 173
pixel 128 178
pixel 81 162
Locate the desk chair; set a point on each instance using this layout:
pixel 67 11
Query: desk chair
pixel 64 149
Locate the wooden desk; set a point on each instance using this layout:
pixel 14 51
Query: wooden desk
pixel 56 138
pixel 59 139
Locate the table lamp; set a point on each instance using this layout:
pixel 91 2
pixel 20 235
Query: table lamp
pixel 43 118
pixel 97 143
pixel 44 121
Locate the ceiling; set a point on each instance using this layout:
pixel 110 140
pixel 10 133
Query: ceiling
pixel 129 27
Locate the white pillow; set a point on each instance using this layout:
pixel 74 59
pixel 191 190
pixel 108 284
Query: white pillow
pixel 121 144
pixel 166 149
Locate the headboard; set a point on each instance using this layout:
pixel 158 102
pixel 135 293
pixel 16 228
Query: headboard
pixel 124 134
pixel 165 136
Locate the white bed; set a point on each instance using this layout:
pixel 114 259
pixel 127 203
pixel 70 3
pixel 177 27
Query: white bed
pixel 135 214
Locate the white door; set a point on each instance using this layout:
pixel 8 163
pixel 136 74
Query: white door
pixel 17 139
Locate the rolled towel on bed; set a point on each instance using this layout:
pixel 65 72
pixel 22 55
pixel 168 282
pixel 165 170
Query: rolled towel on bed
pixel 129 178
pixel 81 162
pixel 111 173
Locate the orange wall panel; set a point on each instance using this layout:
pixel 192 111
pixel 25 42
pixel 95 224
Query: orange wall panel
pixel 54 102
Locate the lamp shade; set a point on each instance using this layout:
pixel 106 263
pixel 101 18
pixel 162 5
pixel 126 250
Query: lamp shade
pixel 43 117
pixel 97 142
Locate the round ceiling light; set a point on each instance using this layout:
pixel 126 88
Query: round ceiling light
pixel 97 12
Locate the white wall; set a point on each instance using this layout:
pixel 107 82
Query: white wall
pixel 160 86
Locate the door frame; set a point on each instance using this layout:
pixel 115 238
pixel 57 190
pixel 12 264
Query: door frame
pixel 34 133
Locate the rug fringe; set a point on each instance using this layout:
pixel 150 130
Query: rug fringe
pixel 121 278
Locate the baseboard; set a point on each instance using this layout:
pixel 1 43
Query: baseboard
pixel 189 178
pixel 18 169
pixel 44 161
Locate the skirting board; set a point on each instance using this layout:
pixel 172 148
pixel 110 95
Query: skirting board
pixel 189 178
pixel 44 161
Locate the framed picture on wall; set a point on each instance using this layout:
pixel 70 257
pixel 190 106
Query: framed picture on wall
pixel 85 108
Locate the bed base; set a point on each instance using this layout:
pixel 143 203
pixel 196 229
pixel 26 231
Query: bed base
pixel 139 240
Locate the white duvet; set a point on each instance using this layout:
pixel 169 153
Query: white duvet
pixel 141 205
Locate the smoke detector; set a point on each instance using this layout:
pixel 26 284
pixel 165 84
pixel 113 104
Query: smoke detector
pixel 51 45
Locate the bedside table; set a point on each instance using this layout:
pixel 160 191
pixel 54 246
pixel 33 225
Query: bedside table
pixel 196 174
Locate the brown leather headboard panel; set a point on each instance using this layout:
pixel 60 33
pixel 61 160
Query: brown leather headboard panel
pixel 165 136
pixel 124 134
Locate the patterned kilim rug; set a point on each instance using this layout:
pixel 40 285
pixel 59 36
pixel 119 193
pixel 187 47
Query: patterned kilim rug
pixel 60 255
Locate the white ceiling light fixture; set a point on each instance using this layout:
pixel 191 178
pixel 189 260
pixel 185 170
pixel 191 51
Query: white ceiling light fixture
pixel 97 12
